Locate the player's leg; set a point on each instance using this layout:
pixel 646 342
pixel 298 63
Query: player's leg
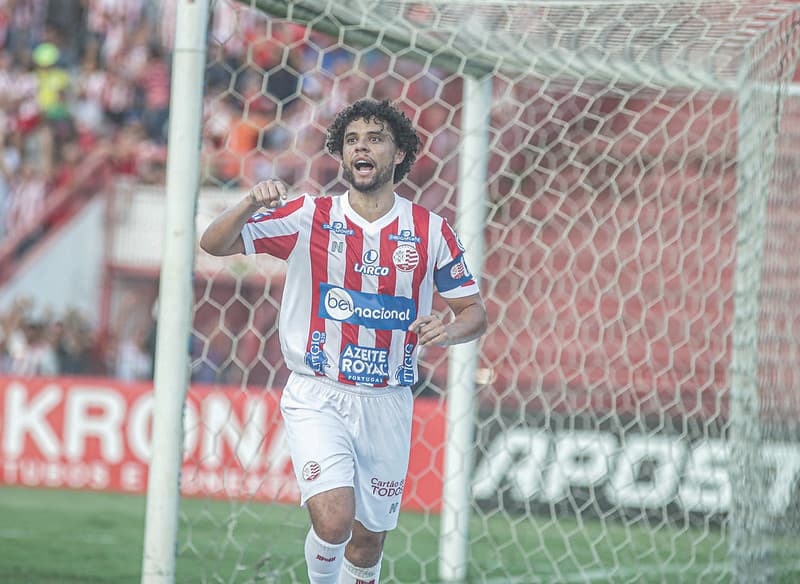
pixel 332 514
pixel 365 549
pixel 380 473
pixel 323 462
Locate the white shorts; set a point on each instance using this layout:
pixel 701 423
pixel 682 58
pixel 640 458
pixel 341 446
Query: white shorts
pixel 350 436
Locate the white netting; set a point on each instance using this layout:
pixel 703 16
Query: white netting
pixel 631 146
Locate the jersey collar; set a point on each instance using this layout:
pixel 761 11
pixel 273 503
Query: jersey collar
pixel 369 226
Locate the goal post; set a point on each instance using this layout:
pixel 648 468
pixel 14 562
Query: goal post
pixel 463 359
pixel 171 366
pixel 621 175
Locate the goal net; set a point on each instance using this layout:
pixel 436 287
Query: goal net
pixel 636 397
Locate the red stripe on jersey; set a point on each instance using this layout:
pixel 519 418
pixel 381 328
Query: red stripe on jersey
pixel 352 281
pixel 450 238
pixel 280 246
pixel 452 243
pixel 318 252
pixel 422 226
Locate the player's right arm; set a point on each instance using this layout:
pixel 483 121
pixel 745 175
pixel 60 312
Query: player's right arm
pixel 223 237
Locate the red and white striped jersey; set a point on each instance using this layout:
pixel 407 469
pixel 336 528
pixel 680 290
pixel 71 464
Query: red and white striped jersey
pixel 353 286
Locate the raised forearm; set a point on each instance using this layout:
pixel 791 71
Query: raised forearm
pixel 223 236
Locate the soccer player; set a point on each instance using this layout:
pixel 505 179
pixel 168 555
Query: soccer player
pixel 362 269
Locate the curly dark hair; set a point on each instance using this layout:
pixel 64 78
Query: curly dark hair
pixel 368 109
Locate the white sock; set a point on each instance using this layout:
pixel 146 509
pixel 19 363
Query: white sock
pixel 323 559
pixel 354 575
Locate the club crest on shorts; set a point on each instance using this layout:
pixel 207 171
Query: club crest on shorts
pixel 311 470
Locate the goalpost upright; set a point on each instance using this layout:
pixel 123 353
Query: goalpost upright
pixel 176 295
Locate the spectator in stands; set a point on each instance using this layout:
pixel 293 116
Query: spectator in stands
pixel 66 19
pixel 74 343
pixel 56 128
pixel 9 161
pixel 154 83
pixel 27 196
pixel 133 360
pixel 26 20
pixel 54 81
pixel 33 353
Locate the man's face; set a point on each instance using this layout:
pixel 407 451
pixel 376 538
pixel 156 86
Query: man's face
pixel 369 155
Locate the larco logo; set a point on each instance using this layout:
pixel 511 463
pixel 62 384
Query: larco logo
pixel 369 268
pixel 377 311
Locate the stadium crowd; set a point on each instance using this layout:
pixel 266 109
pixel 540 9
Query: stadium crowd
pixel 81 79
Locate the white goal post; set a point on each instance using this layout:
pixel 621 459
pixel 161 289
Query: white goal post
pixel 622 176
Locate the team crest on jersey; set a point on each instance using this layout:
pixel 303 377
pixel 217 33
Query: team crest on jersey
pixel 338 228
pixel 405 258
pixel 405 236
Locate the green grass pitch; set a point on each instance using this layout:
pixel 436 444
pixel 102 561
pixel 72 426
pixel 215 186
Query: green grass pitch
pixel 71 537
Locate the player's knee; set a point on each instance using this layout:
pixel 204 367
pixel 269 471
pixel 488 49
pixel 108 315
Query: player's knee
pixel 332 514
pixel 365 547
pixel 334 529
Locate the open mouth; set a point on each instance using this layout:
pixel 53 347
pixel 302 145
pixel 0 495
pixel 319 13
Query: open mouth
pixel 363 166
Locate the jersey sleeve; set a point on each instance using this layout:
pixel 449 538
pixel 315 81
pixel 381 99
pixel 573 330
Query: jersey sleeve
pixel 451 274
pixel 274 231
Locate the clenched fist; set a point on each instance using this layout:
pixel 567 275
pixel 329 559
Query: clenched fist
pixel 269 193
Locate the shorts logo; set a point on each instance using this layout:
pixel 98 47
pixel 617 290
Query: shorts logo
pixel 311 471
pixel 405 258
pixel 375 311
pixel 364 364
pixel 386 488
pixel 368 267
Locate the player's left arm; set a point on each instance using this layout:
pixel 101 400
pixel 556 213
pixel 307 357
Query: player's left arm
pixel 469 322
